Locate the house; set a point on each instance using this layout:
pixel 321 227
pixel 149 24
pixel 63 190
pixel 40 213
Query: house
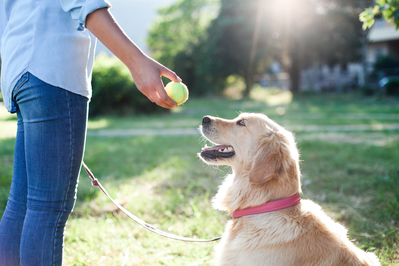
pixel 383 39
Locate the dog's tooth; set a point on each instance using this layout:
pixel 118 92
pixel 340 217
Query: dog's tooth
pixel 220 150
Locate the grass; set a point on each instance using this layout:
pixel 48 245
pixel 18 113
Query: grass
pixel 352 172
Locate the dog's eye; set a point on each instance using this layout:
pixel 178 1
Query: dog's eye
pixel 241 123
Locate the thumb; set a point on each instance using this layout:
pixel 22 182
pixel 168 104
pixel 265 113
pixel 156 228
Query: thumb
pixel 170 75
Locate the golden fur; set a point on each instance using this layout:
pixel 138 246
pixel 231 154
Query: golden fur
pixel 265 168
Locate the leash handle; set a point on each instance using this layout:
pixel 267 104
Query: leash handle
pixel 151 228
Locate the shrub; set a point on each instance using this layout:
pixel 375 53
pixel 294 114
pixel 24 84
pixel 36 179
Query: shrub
pixel 385 66
pixel 386 62
pixel 367 90
pixel 234 88
pixel 114 91
pixel 392 87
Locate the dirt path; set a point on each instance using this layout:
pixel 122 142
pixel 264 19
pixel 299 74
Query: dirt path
pixel 188 131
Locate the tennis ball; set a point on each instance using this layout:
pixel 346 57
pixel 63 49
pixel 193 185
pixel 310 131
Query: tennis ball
pixel 177 91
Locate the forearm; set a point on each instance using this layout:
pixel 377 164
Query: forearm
pixel 145 71
pixel 103 25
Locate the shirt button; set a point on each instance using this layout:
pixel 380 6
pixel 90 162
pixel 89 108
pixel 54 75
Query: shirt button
pixel 81 27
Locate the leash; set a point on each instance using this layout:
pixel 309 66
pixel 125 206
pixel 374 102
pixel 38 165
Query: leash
pixel 151 228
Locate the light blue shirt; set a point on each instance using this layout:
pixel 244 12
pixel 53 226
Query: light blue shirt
pixel 48 39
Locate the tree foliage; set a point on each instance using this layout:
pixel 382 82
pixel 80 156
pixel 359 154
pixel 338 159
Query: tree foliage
pixel 238 43
pixel 388 9
pixel 179 27
pixel 176 34
pixel 298 33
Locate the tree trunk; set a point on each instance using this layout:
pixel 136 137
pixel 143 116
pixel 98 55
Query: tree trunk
pixel 295 73
pixel 249 76
pixel 249 83
pixel 294 50
pixel 295 67
pixel 363 78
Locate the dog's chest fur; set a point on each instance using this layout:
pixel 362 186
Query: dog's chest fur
pixel 294 236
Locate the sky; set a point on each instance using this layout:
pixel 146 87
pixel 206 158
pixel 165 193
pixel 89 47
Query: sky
pixel 135 17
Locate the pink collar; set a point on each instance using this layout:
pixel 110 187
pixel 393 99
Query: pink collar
pixel 269 206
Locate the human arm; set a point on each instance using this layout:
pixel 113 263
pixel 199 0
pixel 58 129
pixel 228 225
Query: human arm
pixel 145 71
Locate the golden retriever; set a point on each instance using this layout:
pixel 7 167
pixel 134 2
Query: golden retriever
pixel 264 161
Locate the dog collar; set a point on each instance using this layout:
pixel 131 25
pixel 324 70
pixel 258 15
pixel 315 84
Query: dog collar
pixel 269 206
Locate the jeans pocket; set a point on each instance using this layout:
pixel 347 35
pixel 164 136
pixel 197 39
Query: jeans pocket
pixel 24 78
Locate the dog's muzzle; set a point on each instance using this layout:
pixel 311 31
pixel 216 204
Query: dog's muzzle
pixel 217 151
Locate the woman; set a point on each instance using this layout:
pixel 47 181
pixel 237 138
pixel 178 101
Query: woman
pixel 47 57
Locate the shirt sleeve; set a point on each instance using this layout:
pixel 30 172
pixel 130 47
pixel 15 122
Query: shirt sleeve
pixel 79 9
pixel 3 20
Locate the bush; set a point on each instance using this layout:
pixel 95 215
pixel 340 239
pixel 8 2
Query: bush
pixel 114 91
pixel 385 66
pixel 367 90
pixel 386 62
pixel 392 87
pixel 235 87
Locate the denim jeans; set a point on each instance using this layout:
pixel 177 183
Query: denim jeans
pixel 48 155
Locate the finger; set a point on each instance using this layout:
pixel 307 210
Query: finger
pixel 164 96
pixel 150 98
pixel 170 74
pixel 161 98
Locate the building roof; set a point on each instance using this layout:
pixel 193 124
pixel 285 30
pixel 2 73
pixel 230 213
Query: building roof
pixel 383 31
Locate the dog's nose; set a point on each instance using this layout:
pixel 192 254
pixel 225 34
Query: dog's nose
pixel 206 120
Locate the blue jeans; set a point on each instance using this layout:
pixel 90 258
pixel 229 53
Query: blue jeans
pixel 48 155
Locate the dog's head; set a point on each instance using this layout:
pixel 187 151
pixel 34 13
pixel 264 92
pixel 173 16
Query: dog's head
pixel 255 147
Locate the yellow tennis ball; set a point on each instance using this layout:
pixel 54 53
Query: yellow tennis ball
pixel 177 91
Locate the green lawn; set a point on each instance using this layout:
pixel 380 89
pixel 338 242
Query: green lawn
pixel 350 151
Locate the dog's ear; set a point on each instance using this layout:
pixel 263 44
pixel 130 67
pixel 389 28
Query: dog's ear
pixel 272 158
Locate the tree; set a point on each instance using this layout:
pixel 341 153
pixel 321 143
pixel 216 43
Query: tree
pixel 297 33
pixel 247 35
pixel 237 43
pixel 177 31
pixel 388 9
pixel 179 26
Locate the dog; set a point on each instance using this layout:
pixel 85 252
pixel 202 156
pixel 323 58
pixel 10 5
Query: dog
pixel 265 170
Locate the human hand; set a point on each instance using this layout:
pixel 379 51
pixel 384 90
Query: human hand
pixel 146 73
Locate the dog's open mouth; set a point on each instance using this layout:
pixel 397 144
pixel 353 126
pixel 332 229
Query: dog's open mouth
pixel 218 151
